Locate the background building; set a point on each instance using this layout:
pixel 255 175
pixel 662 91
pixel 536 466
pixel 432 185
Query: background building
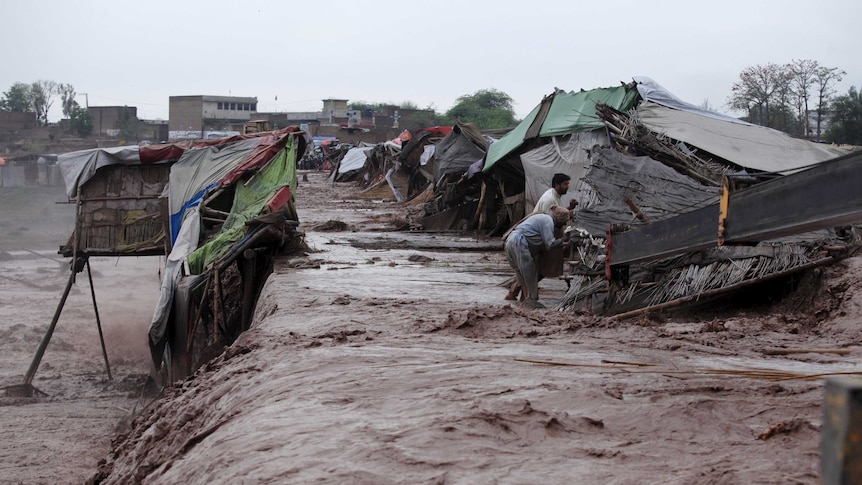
pixel 108 120
pixel 208 116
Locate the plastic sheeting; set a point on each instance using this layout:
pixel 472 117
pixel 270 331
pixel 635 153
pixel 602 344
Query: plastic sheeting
pixel 457 151
pixel 749 146
pixel 185 243
pixel 199 170
pixel 249 200
pixel 576 111
pixel 656 189
pixel 354 159
pixel 569 112
pixel 79 167
pixel 427 153
pixel 655 92
pixel 566 155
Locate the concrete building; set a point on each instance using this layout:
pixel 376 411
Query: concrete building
pixel 106 119
pixel 334 110
pixel 14 121
pixel 200 116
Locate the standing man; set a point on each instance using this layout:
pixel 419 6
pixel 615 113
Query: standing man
pixel 533 236
pixel 553 196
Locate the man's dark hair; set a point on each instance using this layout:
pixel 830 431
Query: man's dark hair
pixel 559 178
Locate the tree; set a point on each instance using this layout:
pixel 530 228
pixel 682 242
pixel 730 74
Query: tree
pixel 41 94
pixel 81 121
pixel 706 105
pixel 803 73
pixel 758 89
pixel 486 108
pixel 17 98
pixel 67 97
pixel 824 78
pixel 847 119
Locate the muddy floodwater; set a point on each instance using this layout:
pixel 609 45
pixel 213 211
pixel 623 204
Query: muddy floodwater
pixel 390 357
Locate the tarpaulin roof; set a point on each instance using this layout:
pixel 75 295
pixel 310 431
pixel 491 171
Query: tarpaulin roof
pixel 560 114
pixel 249 200
pixel 656 189
pixel 410 151
pixel 199 170
pixel 749 146
pixel 354 159
pixel 196 169
pixel 462 147
pixel 655 92
pixel 78 167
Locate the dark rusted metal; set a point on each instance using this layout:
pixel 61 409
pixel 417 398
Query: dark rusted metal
pixel 824 196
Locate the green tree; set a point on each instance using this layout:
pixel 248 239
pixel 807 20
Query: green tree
pixel 421 119
pixel 81 121
pixel 17 98
pixel 487 109
pixel 847 119
pixel 67 97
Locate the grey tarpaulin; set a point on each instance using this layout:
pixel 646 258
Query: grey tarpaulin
pixel 459 149
pixel 658 191
pixel 186 242
pixel 564 154
pixel 653 91
pixel 749 146
pixel 80 166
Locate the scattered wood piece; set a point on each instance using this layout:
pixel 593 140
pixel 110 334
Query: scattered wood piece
pixel 639 364
pixel 806 351
pixel 787 427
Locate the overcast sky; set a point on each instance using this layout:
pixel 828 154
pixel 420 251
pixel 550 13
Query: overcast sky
pixel 140 53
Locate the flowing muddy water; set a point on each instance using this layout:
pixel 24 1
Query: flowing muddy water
pixel 393 358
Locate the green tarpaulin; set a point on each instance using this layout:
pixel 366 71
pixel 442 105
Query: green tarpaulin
pixel 249 199
pixel 569 113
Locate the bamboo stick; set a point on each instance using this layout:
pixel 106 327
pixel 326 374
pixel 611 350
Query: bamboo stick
pixel 717 291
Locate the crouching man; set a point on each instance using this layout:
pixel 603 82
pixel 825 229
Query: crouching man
pixel 529 239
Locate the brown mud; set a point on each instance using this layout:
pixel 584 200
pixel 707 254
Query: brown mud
pixel 384 357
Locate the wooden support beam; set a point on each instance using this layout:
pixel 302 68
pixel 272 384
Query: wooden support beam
pixel 841 435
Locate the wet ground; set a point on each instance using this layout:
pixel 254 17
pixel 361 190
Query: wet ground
pixel 384 357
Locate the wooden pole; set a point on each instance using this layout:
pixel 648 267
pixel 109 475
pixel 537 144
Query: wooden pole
pixel 34 366
pixel 98 321
pixel 248 264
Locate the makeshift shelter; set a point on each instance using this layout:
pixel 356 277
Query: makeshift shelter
pixel 349 166
pixel 414 157
pixel 553 138
pixel 207 203
pixel 690 151
pixel 458 150
pixel 452 198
